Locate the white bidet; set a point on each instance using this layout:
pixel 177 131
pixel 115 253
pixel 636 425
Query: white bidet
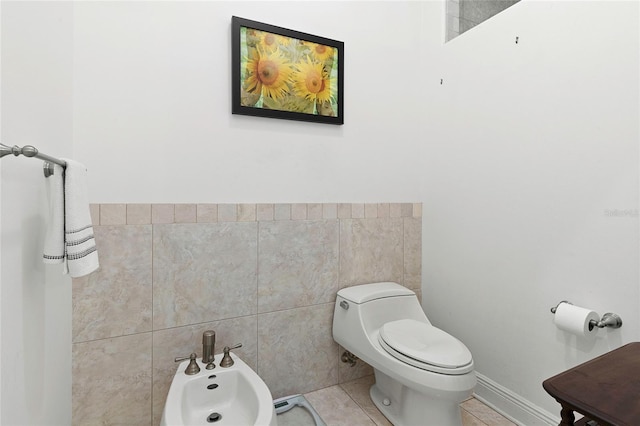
pixel 223 396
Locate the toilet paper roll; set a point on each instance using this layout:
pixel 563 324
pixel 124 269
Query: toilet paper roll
pixel 575 319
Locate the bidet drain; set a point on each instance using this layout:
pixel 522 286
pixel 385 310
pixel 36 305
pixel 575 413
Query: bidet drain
pixel 214 417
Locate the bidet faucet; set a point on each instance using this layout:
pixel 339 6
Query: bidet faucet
pixel 209 348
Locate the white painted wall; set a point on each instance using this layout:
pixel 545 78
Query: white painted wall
pixel 152 104
pixel 36 301
pixel 517 156
pixel 532 144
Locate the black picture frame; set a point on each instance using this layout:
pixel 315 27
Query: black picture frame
pixel 287 74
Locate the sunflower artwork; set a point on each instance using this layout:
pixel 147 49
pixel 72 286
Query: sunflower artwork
pixel 285 74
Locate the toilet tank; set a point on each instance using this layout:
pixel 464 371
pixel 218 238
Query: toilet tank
pixel 361 310
pixel 366 292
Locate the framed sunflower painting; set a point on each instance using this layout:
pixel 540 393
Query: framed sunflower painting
pixel 282 73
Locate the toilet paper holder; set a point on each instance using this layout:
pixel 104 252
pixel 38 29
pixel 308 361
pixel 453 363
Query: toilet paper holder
pixel 608 320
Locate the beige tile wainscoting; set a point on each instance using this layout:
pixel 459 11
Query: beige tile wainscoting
pixel 264 275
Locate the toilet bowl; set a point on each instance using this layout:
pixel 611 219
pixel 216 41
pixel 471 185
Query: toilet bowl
pixel 422 373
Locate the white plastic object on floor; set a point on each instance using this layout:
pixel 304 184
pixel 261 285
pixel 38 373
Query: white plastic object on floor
pixel 286 403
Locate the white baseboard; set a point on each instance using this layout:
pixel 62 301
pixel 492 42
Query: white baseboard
pixel 511 405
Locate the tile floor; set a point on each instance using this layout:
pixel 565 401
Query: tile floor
pixel 349 404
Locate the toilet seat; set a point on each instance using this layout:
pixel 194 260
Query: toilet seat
pixel 426 347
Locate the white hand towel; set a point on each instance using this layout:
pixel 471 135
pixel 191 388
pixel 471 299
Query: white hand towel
pixel 81 254
pixel 54 237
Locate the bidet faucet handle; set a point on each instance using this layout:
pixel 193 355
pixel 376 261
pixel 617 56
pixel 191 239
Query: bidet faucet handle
pixel 227 361
pixel 193 367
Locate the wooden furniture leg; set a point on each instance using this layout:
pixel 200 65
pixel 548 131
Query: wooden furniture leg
pixel 566 417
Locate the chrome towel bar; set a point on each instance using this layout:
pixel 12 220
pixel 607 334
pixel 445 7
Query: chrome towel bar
pixel 31 151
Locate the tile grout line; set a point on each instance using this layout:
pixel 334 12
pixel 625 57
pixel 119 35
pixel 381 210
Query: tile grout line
pixel 404 253
pixel 482 423
pixel 354 401
pixel 339 284
pixel 152 322
pixel 257 292
pixel 359 406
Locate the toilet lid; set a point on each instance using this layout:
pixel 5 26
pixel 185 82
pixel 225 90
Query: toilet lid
pixel 425 343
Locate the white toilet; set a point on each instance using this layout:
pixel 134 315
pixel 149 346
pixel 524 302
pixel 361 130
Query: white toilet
pixel 422 373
